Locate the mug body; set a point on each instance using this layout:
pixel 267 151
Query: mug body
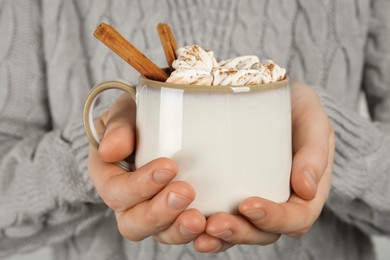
pixel 230 142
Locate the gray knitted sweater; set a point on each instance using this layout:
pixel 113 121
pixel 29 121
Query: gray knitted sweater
pixel 49 61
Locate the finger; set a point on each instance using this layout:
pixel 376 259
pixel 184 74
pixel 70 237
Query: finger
pixel 309 164
pixel 311 130
pixel 237 230
pixel 118 125
pixel 296 216
pixel 293 218
pixel 190 224
pixel 206 243
pixel 151 217
pixel 121 190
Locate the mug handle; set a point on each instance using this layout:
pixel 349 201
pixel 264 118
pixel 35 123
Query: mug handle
pixel 89 125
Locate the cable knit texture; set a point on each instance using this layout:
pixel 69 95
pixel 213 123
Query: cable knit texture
pixel 49 60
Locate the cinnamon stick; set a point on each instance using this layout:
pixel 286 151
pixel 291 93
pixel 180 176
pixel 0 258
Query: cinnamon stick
pixel 172 39
pixel 165 39
pixel 116 42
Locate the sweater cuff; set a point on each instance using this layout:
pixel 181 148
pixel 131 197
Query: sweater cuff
pixel 360 192
pixel 360 146
pixel 80 185
pixel 31 236
pixel 50 203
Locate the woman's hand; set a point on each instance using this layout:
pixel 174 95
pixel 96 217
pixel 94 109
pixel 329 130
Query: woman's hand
pixel 145 202
pixel 263 221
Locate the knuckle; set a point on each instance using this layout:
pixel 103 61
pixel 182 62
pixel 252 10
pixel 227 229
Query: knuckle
pixel 153 218
pixel 125 232
pixel 166 239
pixel 322 152
pixel 270 240
pixel 112 203
pixel 137 187
pixel 275 224
pixel 134 238
pixel 111 196
pixel 158 238
pixel 275 238
pixel 143 194
pixel 301 231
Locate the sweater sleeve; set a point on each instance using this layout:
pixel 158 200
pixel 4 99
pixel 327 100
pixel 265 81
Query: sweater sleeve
pixel 360 193
pixel 45 193
pixel 361 182
pixel 376 80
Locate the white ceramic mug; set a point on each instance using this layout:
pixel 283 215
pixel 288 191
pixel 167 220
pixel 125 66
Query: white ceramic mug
pixel 230 142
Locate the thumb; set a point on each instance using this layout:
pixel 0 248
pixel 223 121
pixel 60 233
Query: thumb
pixel 118 122
pixel 311 131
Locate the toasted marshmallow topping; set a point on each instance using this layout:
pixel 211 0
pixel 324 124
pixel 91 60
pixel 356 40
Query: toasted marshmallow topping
pixel 239 63
pixel 190 77
pixel 197 66
pixel 231 77
pixel 194 57
pixel 271 71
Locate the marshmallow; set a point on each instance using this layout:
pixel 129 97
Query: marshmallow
pixel 190 77
pixel 194 57
pixel 197 66
pixel 229 77
pixel 239 63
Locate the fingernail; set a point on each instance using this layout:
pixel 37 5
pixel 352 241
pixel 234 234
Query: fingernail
pixel 177 201
pixel 257 214
pixel 224 235
pixel 162 176
pixel 186 233
pixel 311 178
